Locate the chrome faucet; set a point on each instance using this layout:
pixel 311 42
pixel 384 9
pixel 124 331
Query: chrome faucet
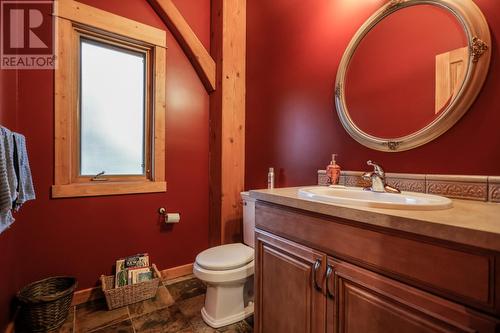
pixel 377 178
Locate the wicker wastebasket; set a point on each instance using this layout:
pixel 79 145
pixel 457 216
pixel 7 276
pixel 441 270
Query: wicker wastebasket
pixel 45 303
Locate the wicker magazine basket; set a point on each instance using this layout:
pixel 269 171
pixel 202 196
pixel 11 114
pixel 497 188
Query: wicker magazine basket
pixel 122 296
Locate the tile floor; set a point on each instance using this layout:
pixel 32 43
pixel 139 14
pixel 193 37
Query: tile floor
pixel 175 308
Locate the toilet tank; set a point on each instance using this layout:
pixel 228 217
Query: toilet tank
pixel 248 219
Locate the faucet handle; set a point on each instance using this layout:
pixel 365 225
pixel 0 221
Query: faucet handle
pixel 376 168
pixel 367 175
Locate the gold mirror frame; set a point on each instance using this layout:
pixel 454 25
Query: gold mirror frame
pixel 479 43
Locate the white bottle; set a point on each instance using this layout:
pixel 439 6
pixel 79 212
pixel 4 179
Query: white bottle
pixel 270 178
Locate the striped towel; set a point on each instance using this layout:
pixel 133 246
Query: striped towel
pixel 25 189
pixel 8 180
pixel 16 185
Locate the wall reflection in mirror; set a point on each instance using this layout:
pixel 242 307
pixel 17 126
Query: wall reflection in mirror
pixel 407 69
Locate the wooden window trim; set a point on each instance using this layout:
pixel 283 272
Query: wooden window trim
pixel 73 20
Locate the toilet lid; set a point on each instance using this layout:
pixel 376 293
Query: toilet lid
pixel 224 257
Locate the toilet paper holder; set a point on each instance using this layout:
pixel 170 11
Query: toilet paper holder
pixel 169 217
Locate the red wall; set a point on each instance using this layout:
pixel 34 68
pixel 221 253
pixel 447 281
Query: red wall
pixel 293 51
pixel 84 236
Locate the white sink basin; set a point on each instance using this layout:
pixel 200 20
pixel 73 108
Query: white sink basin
pixel 357 196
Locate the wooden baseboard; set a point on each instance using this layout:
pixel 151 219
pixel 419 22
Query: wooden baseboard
pixel 91 294
pixel 10 326
pixel 175 272
pixel 87 295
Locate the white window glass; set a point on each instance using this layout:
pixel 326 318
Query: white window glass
pixel 112 110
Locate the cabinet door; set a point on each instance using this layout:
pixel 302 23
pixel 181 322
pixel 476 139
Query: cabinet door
pixel 363 301
pixel 289 283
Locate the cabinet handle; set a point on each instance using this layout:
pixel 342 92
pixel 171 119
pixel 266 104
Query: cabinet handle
pixel 329 271
pixel 317 265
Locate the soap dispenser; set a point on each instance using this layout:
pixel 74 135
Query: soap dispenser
pixel 333 171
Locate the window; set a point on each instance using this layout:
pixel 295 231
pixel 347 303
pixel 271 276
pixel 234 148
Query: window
pixel 112 110
pixel 109 104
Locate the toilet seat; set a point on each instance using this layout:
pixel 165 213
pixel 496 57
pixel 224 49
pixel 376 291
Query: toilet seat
pixel 224 277
pixel 225 257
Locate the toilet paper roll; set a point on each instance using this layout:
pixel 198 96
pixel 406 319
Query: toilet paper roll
pixel 172 218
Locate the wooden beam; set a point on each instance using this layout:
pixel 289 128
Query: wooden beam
pixel 227 121
pixel 192 46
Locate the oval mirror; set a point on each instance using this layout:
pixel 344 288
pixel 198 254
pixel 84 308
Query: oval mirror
pixel 411 71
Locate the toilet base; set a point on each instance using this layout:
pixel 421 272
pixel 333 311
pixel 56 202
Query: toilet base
pixel 216 323
pixel 229 294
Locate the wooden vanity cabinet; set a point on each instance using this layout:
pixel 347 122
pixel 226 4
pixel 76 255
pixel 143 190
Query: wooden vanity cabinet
pixel 302 288
pixel 289 298
pixel 363 301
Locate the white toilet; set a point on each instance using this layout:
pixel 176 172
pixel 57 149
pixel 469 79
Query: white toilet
pixel 227 270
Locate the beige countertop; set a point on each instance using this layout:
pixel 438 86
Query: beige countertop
pixel 468 222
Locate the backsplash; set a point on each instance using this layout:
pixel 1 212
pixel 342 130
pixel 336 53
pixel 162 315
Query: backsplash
pixel 479 188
